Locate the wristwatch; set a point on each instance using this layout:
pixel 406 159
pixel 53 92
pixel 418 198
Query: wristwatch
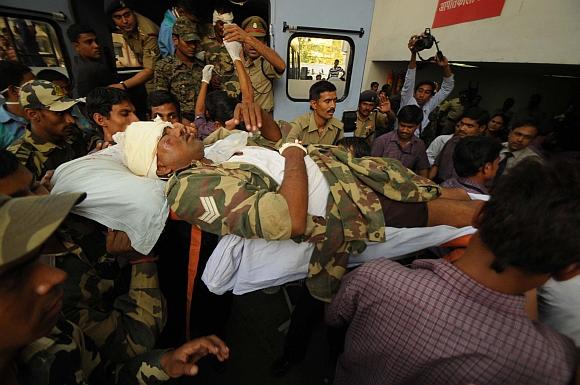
pixel 122 82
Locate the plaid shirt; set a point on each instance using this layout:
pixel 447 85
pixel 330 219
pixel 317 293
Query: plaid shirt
pixel 413 155
pixel 433 324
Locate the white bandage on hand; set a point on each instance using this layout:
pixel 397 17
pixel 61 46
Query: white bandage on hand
pixel 206 73
pixel 234 49
pixel 290 144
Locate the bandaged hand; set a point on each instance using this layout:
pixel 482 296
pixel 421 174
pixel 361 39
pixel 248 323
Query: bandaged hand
pixel 206 73
pixel 234 49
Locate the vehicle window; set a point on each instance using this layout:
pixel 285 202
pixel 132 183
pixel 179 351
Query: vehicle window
pixel 314 57
pixel 124 56
pixel 31 42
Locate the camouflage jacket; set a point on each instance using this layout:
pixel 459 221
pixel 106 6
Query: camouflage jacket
pixel 224 69
pixel 239 198
pixel 181 79
pixel 122 310
pixel 68 357
pixel 41 157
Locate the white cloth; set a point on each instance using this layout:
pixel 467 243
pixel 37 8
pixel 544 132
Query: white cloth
pixel 436 146
pixel 559 306
pixel 245 265
pixel 115 197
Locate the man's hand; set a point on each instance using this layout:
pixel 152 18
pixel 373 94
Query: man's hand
pixel 182 361
pixel 45 181
pixel 250 113
pixel 206 73
pixel 119 244
pixel 384 104
pixel 234 49
pixel 441 60
pixel 411 44
pixel 232 32
pixel 100 145
pixel 117 85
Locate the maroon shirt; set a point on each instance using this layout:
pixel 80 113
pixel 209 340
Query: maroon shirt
pixel 413 155
pixel 433 324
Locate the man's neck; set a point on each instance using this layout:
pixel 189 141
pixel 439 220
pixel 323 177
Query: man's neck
pixel 8 371
pixel 320 121
pixel 184 59
pixel 476 263
pixel 402 141
pixel 478 179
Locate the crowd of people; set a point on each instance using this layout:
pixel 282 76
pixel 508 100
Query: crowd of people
pixel 83 303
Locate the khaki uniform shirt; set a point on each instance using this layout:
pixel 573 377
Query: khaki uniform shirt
pixel 262 73
pixel 366 127
pixel 143 43
pixel 304 128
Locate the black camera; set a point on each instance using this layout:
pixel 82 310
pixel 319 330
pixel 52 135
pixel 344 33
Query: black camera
pixel 424 41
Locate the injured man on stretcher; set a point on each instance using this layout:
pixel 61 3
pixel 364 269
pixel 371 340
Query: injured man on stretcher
pixel 305 210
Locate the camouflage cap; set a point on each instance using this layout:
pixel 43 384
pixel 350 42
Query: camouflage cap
pixel 26 223
pixel 42 94
pixel 185 29
pixel 255 26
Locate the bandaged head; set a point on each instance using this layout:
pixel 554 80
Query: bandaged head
pixel 227 17
pixel 139 146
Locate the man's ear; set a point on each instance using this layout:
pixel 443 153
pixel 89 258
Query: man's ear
pixel 313 104
pixel 568 272
pixel 31 115
pixel 100 119
pixel 163 170
pixel 175 39
pixel 75 45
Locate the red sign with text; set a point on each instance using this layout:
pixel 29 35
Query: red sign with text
pixel 451 12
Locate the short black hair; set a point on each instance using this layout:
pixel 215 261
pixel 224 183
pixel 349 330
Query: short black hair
pixel 220 106
pixel 410 114
pixel 102 99
pixel 501 115
pixel 374 83
pixel 74 31
pixel 8 163
pixel 532 218
pixel 12 73
pixel 526 121
pixel 480 115
pixel 359 145
pixel 426 82
pixel 319 87
pixel 51 75
pixel 473 152
pixel 160 97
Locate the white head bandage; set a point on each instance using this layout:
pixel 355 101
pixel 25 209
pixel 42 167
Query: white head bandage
pixel 139 145
pixel 227 18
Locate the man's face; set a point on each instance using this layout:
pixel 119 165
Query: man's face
pixel 125 20
pixel 167 112
pixel 250 51
pixel 423 94
pixel 468 127
pixel 121 116
pixel 57 125
pixel 186 48
pixel 31 306
pixel 176 150
pixel 87 46
pixel 325 106
pixel 406 130
pixel 521 137
pixel 219 28
pixel 21 183
pixel 365 108
pixel 495 124
pixel 336 63
pixel 375 87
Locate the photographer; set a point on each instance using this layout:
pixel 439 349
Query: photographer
pixel 423 95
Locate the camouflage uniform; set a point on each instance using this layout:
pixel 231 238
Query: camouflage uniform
pixel 123 322
pixel 304 128
pixel 217 54
pixel 247 205
pixel 143 43
pixel 41 157
pixel 68 357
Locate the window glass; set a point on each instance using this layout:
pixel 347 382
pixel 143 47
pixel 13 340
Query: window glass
pixel 312 58
pixel 31 42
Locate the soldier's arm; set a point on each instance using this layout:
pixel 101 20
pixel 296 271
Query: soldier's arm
pixel 235 33
pixel 150 57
